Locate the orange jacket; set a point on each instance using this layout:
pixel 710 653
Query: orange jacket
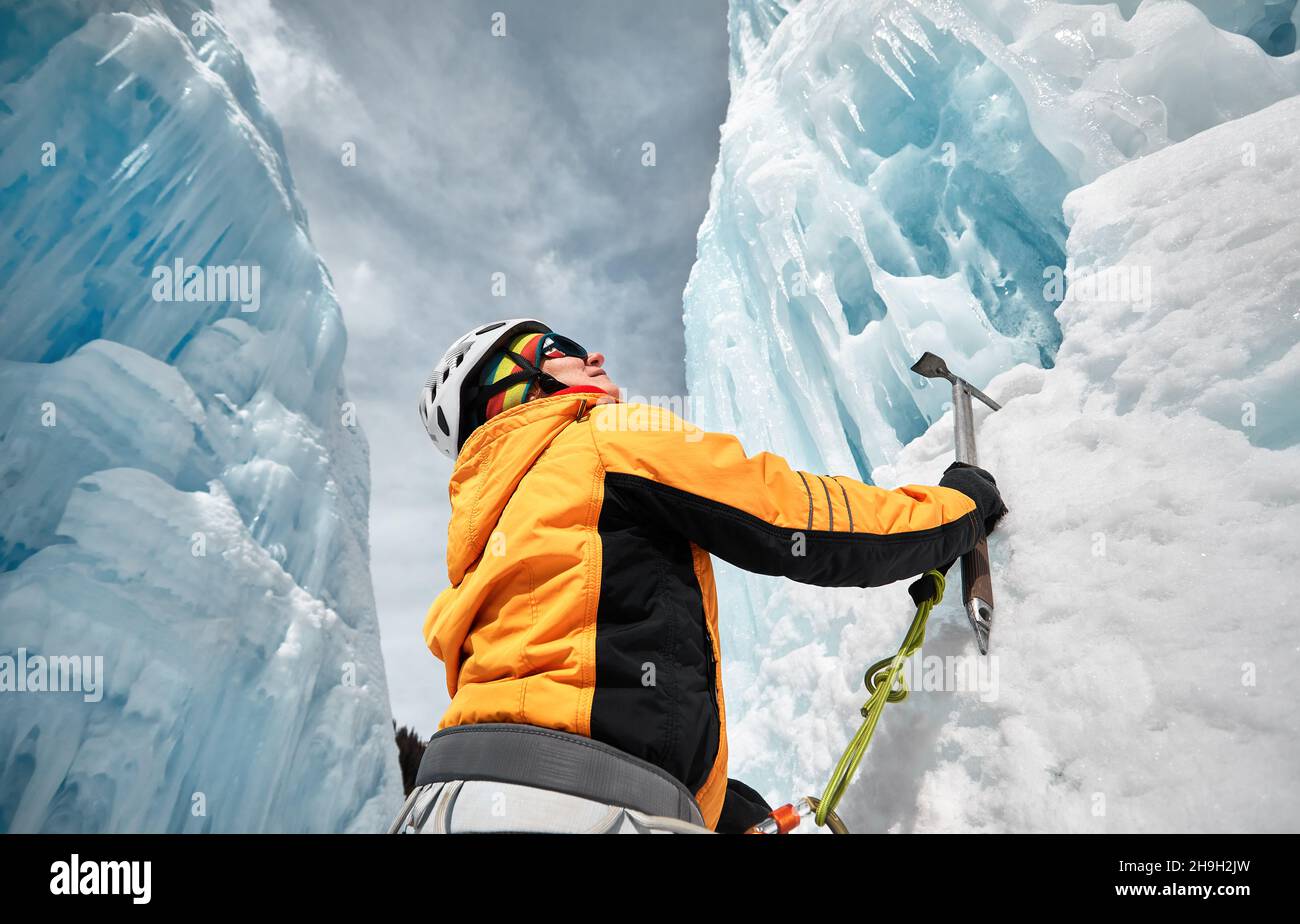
pixel 582 593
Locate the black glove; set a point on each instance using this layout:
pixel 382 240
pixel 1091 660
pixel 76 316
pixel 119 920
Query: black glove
pixel 742 808
pixel 979 486
pixel 922 588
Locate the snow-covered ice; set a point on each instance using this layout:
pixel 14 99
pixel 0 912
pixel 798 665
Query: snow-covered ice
pixel 185 486
pixel 911 175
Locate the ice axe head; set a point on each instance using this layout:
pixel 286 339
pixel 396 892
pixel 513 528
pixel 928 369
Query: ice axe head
pixel 932 367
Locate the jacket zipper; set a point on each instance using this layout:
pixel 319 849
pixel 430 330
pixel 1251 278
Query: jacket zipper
pixel 713 668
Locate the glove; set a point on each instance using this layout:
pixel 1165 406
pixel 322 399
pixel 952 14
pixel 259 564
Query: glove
pixel 742 808
pixel 979 486
pixel 923 588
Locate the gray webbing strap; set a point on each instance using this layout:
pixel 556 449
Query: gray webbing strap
pixel 546 758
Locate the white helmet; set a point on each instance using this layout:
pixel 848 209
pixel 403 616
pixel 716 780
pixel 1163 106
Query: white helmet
pixel 446 404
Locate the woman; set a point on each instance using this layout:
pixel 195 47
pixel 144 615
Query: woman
pixel 580 630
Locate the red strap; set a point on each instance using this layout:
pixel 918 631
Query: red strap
pixel 581 390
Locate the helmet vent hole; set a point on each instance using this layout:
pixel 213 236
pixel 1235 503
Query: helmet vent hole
pixel 442 423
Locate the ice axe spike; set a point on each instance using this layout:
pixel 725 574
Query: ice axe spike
pixel 976 577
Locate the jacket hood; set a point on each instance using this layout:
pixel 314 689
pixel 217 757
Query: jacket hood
pixel 490 466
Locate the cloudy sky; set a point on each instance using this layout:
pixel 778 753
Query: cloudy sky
pixel 479 154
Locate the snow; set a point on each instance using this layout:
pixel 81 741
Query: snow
pixel 186 489
pixel 1146 639
pixel 1147 445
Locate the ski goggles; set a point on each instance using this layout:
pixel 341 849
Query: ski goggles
pixel 553 346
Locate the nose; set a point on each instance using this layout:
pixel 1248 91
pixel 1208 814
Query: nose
pixel 596 359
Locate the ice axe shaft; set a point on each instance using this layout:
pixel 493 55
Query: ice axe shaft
pixel 976 577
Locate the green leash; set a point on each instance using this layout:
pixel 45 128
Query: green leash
pixel 886 686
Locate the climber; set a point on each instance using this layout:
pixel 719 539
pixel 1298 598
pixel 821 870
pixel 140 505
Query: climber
pixel 580 630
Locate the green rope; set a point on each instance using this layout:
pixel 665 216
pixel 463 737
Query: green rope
pixel 886 685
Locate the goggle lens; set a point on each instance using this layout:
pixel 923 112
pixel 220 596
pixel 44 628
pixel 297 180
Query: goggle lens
pixel 557 345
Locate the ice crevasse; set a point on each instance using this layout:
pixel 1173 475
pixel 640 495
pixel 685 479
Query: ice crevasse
pixel 185 485
pixel 908 175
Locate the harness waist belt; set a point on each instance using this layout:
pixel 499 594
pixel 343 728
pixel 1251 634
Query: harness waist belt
pixel 546 758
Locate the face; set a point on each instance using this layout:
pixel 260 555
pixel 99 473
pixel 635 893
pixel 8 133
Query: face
pixel 572 370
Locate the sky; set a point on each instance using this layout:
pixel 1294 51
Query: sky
pixel 477 154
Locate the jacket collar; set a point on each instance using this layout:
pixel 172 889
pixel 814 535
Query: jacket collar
pixel 493 461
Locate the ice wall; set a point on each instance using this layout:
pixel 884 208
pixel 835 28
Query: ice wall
pixel 890 181
pixel 185 485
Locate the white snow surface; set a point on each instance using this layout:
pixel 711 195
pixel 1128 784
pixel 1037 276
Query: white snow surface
pixel 1146 635
pixel 1145 642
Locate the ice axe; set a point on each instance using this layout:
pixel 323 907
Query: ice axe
pixel 976 578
